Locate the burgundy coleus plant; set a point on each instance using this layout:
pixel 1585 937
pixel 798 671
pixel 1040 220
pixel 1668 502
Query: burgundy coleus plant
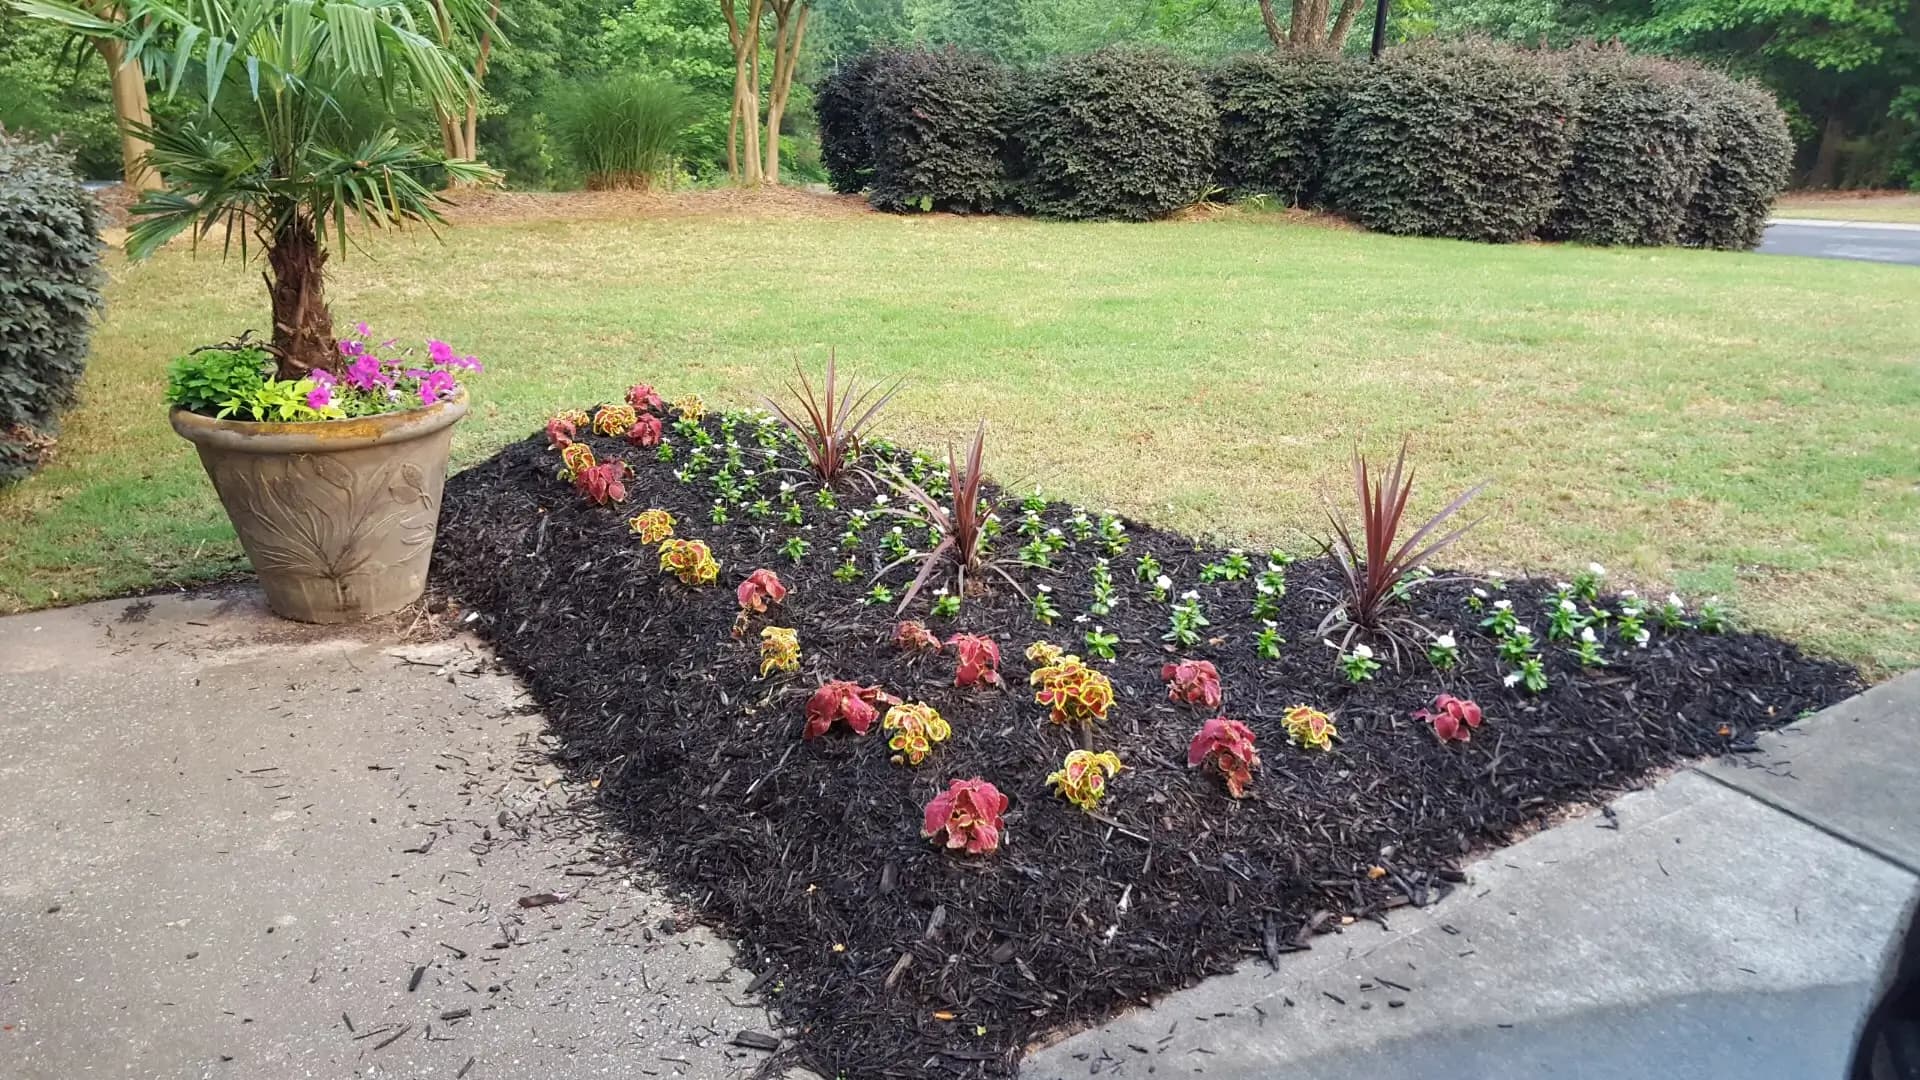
pixel 560 433
pixel 1453 718
pixel 1229 744
pixel 603 483
pixel 646 431
pixel 1194 682
pixel 912 635
pixel 967 815
pixel 761 588
pixel 643 399
pixel 841 701
pixel 979 660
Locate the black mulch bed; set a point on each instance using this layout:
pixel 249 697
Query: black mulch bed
pixel 892 957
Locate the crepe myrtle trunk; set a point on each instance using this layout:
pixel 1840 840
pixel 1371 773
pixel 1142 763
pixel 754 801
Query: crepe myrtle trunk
pixel 302 325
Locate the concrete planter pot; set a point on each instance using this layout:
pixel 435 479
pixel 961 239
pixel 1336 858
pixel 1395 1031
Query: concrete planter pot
pixel 337 516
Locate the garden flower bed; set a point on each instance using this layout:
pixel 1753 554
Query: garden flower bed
pixel 892 954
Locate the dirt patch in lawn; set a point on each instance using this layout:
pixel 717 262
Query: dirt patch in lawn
pixel 890 956
pixel 781 203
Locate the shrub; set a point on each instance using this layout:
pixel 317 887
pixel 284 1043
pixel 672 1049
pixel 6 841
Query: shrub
pixel 1464 140
pixel 1640 147
pixel 1751 155
pixel 623 131
pixel 1275 112
pixel 50 282
pixel 1120 133
pixel 936 122
pixel 840 107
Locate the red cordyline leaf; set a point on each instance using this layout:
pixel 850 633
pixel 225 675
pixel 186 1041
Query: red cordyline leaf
pixel 1370 569
pixel 830 425
pixel 1195 682
pixel 761 588
pixel 560 433
pixel 962 527
pixel 846 702
pixel 979 660
pixel 646 431
pixel 968 813
pixel 603 483
pixel 1229 743
pixel 1453 718
pixel 912 635
pixel 643 399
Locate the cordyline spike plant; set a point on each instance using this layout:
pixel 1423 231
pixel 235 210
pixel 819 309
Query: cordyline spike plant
pixel 1373 567
pixel 830 424
pixel 967 816
pixel 962 527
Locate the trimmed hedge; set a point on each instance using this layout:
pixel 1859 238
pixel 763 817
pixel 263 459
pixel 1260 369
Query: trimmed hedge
pixel 840 105
pixel 936 119
pixel 50 281
pixel 1276 114
pixel 1120 133
pixel 1640 147
pixel 1746 169
pixel 1464 140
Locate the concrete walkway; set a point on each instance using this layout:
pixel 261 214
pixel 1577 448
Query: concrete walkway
pixel 235 847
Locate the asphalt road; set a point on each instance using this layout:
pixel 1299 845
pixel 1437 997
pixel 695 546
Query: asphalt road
pixel 1844 240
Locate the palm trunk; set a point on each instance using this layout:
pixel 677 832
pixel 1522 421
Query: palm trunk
pixel 129 87
pixel 302 325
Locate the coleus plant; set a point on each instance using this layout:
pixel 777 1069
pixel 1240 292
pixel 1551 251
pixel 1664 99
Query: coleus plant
pixel 978 660
pixel 691 408
pixel 1453 718
pixel 830 425
pixel 603 483
pixel 1073 692
pixel 646 431
pixel 912 635
pixel 561 432
pixel 1044 654
pixel 779 650
pixel 652 526
pixel 1194 682
pixel 644 400
pixel 844 702
pixel 761 588
pixel 614 419
pixel 1310 728
pixel 916 727
pixel 575 458
pixel 1082 778
pixel 967 816
pixel 1228 744
pixel 689 560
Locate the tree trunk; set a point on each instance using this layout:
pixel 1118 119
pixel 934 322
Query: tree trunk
pixel 1272 22
pixel 1826 159
pixel 1342 24
pixel 743 126
pixel 129 86
pixel 791 29
pixel 302 325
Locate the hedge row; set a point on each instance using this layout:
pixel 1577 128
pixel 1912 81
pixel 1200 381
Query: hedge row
pixel 50 280
pixel 1469 140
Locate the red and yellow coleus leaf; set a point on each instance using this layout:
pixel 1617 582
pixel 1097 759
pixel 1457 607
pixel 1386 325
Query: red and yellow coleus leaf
pixel 967 816
pixel 560 433
pixel 652 526
pixel 979 660
pixel 690 561
pixel 1229 745
pixel 1453 718
pixel 1072 692
pixel 779 650
pixel 603 483
pixel 761 588
pixel 841 701
pixel 646 431
pixel 614 419
pixel 1044 653
pixel 1082 778
pixel 916 727
pixel 912 635
pixel 1310 728
pixel 575 458
pixel 691 407
pixel 643 399
pixel 1194 682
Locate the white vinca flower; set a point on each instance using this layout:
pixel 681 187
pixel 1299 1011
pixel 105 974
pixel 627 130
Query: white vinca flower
pixel 880 499
pixel 1363 652
pixel 1512 679
pixel 1587 635
pixel 1190 594
pixel 1445 641
pixel 1479 592
pixel 1568 605
pixel 1523 630
pixel 1642 637
pixel 1561 586
pixel 1044 588
pixel 1596 569
pixel 1503 605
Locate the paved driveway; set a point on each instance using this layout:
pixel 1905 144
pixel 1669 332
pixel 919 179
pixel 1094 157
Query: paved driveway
pixel 1866 241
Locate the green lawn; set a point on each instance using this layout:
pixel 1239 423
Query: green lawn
pixel 1841 207
pixel 1710 422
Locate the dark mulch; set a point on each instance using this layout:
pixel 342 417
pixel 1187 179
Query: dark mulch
pixel 892 957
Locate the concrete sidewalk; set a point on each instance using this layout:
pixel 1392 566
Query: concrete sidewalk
pixel 1733 921
pixel 237 847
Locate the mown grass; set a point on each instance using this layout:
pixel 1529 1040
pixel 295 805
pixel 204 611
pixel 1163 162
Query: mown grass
pixel 1736 424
